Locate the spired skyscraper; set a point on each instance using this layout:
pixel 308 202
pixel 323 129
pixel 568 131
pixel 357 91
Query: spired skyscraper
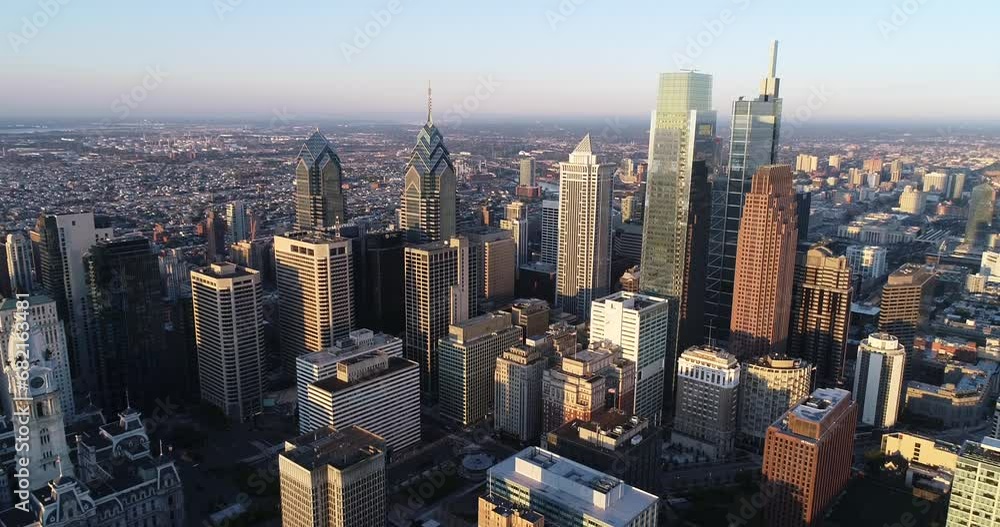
pixel 675 231
pixel 584 249
pixel 319 199
pixel 427 209
pixel 755 129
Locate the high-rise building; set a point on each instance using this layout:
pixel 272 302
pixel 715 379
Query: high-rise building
pixel 584 253
pixel 5 288
pixel 497 512
pixel 175 275
pixel 427 208
pixel 631 209
pixel 60 241
pixel 623 446
pixel 532 314
pixel 43 316
pixel 903 308
pixel 319 198
pixel 821 313
pixel 878 380
pixel 516 223
pixel 123 275
pixel 756 124
pixel 238 221
pixel 436 295
pixel 806 163
pixel 629 282
pixel 228 324
pixel 896 170
pixel 835 161
pixel 378 279
pixel 769 386
pixel 973 501
pixel 496 260
pixel 935 182
pixel 640 324
pixel 807 458
pixel 873 165
pixel 708 383
pixel 682 153
pixel 256 254
pixel 333 478
pixel 526 178
pixel 316 286
pixel 956 185
pixel 373 390
pixel 982 207
pixel 467 360
pixel 550 232
pixel 215 236
pixel 765 266
pixel 517 393
pixel 867 262
pixel 20 261
pixel 585 382
pixel 911 200
pixel 568 493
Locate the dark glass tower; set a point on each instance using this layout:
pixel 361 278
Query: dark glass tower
pixel 755 130
pixel 319 199
pixel 427 208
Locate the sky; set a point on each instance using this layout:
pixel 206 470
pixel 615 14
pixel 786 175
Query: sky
pixel 296 60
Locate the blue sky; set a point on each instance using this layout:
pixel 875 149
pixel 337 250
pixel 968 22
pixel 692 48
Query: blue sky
pixel 940 61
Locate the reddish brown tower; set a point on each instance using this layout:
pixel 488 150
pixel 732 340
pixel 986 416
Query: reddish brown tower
pixel 765 265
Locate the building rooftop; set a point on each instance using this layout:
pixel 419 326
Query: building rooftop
pixel 314 237
pixel 987 451
pixel 633 301
pixel 358 342
pixel 225 270
pixel 339 449
pixel 391 366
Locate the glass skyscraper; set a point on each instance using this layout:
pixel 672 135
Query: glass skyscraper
pixel 427 208
pixel 982 204
pixel 319 198
pixel 755 128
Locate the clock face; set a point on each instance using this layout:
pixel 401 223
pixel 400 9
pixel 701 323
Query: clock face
pixel 37 382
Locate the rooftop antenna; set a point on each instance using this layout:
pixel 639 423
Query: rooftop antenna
pixel 430 105
pixel 773 69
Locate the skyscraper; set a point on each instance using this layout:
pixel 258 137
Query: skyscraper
pixel 584 253
pixel 982 206
pixel 765 265
pixel 585 382
pixel 516 223
pixel 756 125
pixel 215 236
pixel 378 278
pixel 123 275
pixel 427 208
pixel 517 393
pixel 640 324
pixel 495 260
pixel 333 478
pixel 526 178
pixel 821 313
pixel 807 458
pixel 769 386
pixel 973 501
pixel 878 380
pixel 228 325
pixel 867 261
pixel 906 296
pixel 319 199
pixel 316 285
pixel 238 221
pixel 19 263
pixel 708 383
pixel 550 232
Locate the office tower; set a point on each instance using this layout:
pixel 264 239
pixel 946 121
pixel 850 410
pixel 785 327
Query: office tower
pixel 902 309
pixel 878 380
pixel 319 198
pixel 765 265
pixel 215 237
pixel 124 277
pixel 526 177
pixel 631 209
pixel 60 241
pixel 629 282
pixel 495 257
pixel 378 264
pixel 43 318
pixel 807 458
pixel 497 512
pixel 550 232
pixel 911 201
pixel 873 165
pixel 373 390
pixel 516 223
pixel 427 208
pixel 835 162
pixel 5 288
pixel 956 185
pixel 517 393
pixel 623 446
pixel 755 129
pixel 568 493
pixel 935 182
pixel 316 286
pixel 255 254
pixel 821 313
pixel 973 501
pixel 867 262
pixel 238 221
pixel 19 263
pixel 982 205
pixel 532 315
pixel 333 478
pixel 708 383
pixel 803 210
pixel 682 153
pixel 228 326
pixel 806 163
pixel 769 386
pixel 585 382
pixel 584 250
pixel 896 170
pixel 175 275
pixel 640 324
pixel 856 177
pixel 467 360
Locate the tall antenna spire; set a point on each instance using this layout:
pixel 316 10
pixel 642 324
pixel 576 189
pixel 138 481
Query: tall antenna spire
pixel 770 85
pixel 773 69
pixel 430 105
